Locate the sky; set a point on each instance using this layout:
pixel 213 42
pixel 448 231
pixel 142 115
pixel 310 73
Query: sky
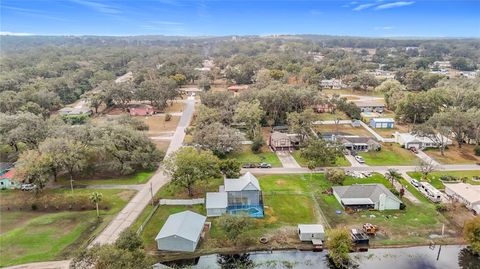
pixel 371 18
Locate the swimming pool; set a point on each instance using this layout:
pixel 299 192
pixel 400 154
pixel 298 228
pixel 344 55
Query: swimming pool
pixel 254 211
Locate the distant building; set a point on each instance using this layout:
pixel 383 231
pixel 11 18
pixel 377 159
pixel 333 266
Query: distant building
pixel 370 106
pixel 382 123
pixel 237 88
pixel 75 111
pixel 469 74
pixel 181 232
pixel 441 64
pixel 332 84
pixel 408 140
pixel 467 194
pixel 140 110
pixel 282 141
pixel 6 178
pixel 366 196
pixel 325 108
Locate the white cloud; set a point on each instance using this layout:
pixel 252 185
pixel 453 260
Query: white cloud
pixel 363 6
pixel 99 7
pixel 394 5
pixel 15 33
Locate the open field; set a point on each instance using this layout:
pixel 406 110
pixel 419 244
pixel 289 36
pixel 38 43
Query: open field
pixel 137 178
pixel 455 155
pixel 340 115
pixel 302 162
pixel 434 177
pixel 29 236
pixel 161 145
pixel 345 129
pixel 158 126
pixel 175 106
pixel 390 154
pixel 247 156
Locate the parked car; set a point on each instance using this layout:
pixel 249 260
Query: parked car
pixel 359 159
pixel 264 165
pixel 249 165
pixel 27 187
pixel 415 183
pixel 414 150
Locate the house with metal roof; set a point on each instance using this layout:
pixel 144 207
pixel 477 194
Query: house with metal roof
pixel 366 196
pixel 465 193
pixel 181 232
pixel 370 106
pixel 282 141
pixel 216 203
pixel 408 140
pixel 387 123
pixel 311 232
pixel 358 143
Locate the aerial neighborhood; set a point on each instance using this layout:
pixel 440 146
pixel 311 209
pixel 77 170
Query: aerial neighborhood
pixel 157 151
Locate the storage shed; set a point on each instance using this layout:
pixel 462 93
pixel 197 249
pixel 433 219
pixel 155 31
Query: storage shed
pixel 216 203
pixel 386 123
pixel 181 232
pixel 309 232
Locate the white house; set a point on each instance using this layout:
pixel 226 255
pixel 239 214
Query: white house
pixel 310 232
pixel 409 140
pixel 366 196
pixel 468 194
pixel 216 203
pixel 382 123
pixel 370 106
pixel 332 84
pixel 181 232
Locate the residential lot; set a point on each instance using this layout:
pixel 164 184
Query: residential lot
pixel 389 132
pixel 338 115
pixel 158 125
pixel 390 154
pixel 28 235
pixel 304 163
pixel 137 178
pixel 265 155
pixel 342 129
pixel 434 177
pixel 455 155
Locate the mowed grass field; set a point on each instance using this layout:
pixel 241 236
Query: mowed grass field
pixel 137 178
pixel 390 154
pixel 247 156
pixel 342 129
pixel 434 177
pixel 31 236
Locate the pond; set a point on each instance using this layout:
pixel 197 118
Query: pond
pixel 449 257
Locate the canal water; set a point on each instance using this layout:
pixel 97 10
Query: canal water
pixel 450 257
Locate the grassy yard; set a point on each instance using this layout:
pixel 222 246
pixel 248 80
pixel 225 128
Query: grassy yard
pixel 388 133
pixel 343 129
pixel 302 162
pixel 30 236
pixel 137 178
pixel 455 155
pixel 158 126
pixel 329 116
pixel 390 154
pixel 434 177
pixel 247 156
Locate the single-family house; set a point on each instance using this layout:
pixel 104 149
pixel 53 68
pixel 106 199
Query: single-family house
pixel 311 232
pixel 332 84
pixel 181 232
pixel 237 195
pixel 282 141
pixel 370 106
pixel 382 123
pixel 366 196
pixel 75 111
pixel 465 193
pixel 190 91
pixel 216 203
pixel 7 181
pixel 408 140
pixel 325 108
pixel 358 143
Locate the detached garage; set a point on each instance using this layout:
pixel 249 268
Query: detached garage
pixel 311 232
pixel 181 232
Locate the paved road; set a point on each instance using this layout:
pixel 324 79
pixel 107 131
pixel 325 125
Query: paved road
pixel 132 210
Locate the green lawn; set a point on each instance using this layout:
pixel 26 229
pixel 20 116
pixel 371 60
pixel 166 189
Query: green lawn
pixel 28 236
pixel 137 178
pixel 390 154
pixel 329 116
pixel 434 177
pixel 341 162
pixel 247 156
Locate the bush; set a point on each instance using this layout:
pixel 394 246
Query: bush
pixel 168 117
pixel 441 207
pixel 448 178
pixel 257 144
pixel 477 150
pixel 402 206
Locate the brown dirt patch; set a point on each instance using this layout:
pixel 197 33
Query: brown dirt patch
pixel 280 182
pixel 126 195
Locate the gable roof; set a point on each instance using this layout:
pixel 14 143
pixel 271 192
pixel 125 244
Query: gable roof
pixel 186 224
pixel 388 120
pixel 311 228
pixel 216 200
pixel 356 139
pixel 362 192
pixel 239 184
pixel 8 174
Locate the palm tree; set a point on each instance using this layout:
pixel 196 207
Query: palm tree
pixel 392 175
pixel 96 197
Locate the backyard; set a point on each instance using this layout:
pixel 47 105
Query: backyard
pixel 341 129
pixel 158 126
pixel 390 154
pixel 455 155
pixel 30 236
pixel 388 132
pixel 340 115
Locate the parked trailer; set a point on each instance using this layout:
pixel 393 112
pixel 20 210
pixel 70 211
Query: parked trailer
pixel 430 192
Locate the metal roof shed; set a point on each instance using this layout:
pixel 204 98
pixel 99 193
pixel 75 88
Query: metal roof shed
pixel 216 203
pixel 181 232
pixel 310 232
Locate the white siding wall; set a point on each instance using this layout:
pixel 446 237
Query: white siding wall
pixel 310 236
pixel 215 212
pixel 175 243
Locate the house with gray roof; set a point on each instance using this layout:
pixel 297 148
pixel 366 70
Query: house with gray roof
pixel 366 196
pixel 181 232
pixel 216 203
pixel 358 143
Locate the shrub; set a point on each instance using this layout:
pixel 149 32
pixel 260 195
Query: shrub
pixel 402 206
pixel 477 150
pixel 257 144
pixel 441 207
pixel 168 117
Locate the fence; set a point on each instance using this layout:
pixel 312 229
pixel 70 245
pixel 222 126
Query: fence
pixel 140 229
pixel 199 201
